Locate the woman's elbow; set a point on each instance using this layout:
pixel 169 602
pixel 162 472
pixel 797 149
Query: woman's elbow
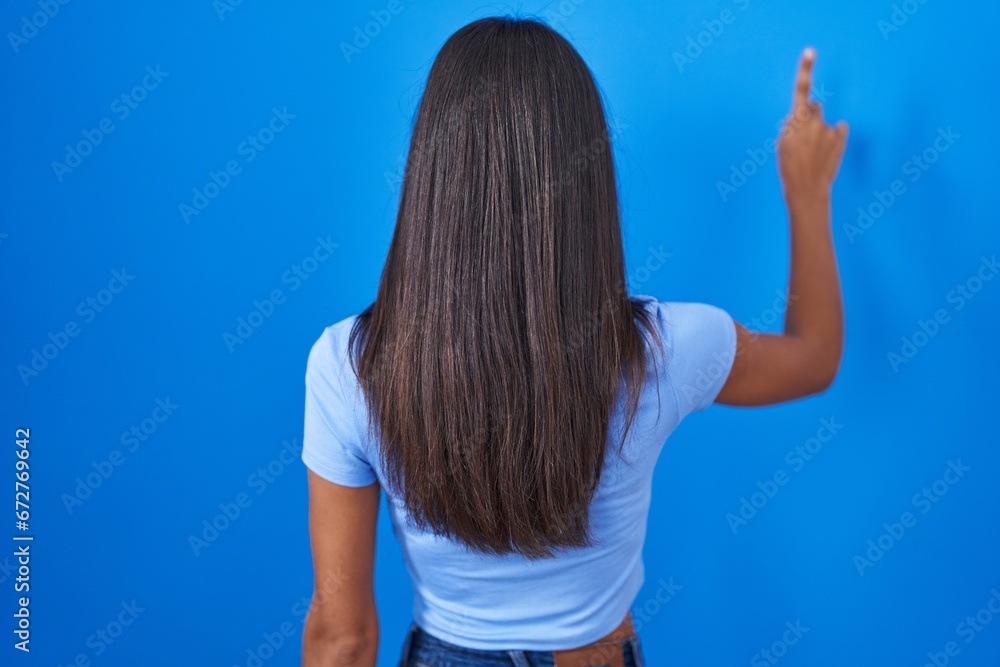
pixel 328 647
pixel 823 376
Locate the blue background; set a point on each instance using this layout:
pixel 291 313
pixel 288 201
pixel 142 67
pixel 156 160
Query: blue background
pixel 333 172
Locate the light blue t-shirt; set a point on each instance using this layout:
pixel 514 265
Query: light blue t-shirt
pixel 510 602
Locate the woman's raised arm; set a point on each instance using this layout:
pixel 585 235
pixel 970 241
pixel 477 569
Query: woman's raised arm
pixel 805 358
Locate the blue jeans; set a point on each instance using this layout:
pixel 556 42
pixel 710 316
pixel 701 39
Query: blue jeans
pixel 422 649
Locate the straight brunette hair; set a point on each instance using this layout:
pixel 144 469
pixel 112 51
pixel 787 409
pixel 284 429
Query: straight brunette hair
pixel 493 355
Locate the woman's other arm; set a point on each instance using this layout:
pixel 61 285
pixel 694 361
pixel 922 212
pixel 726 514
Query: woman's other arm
pixel 342 625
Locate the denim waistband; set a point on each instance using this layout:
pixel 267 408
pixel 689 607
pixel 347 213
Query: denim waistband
pixel 422 649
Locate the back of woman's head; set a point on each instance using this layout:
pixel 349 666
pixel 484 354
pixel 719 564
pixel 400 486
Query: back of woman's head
pixel 492 356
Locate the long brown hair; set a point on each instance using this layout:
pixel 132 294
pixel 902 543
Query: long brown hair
pixel 493 355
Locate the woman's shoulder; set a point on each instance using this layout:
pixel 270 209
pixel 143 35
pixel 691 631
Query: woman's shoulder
pixel 328 356
pixel 682 318
pixel 700 342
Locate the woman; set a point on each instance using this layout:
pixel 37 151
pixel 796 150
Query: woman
pixel 507 392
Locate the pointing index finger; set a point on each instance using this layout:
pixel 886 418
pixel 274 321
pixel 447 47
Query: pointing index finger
pixel 803 81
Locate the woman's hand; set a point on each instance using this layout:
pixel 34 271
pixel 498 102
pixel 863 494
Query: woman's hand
pixel 809 151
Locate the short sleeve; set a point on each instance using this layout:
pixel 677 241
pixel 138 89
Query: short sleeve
pixel 701 347
pixel 332 442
